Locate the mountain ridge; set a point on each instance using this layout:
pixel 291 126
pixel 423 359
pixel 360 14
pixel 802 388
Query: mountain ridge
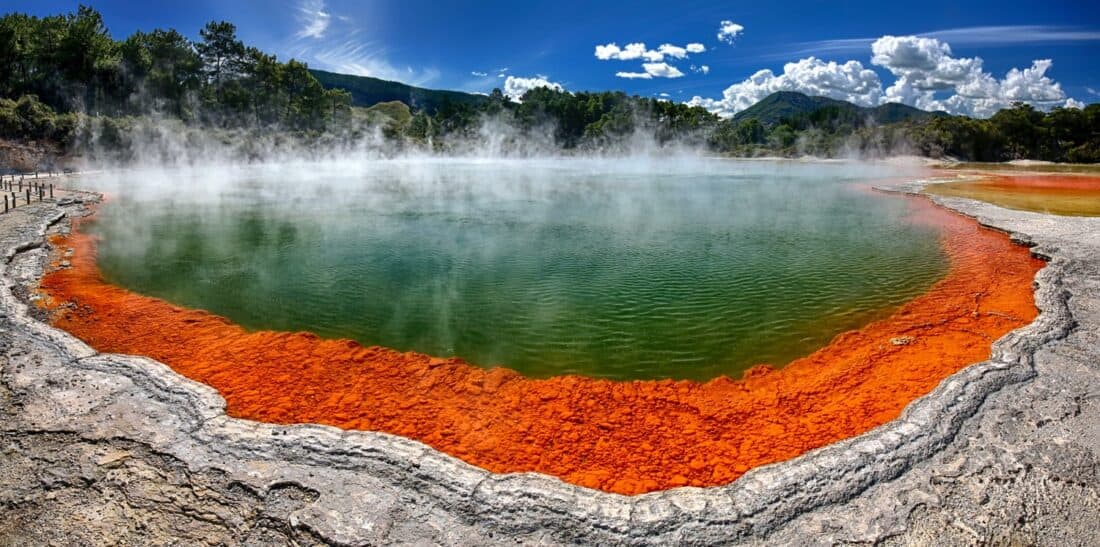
pixel 774 108
pixel 368 91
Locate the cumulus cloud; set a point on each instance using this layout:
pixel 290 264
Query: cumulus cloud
pixel 478 74
pixel 925 69
pixel 926 73
pixel 662 70
pixel 638 50
pixel 701 69
pixel 652 70
pixel 314 19
pixel 515 87
pixel 630 52
pixel 849 81
pixel 728 31
pixel 675 52
pixel 654 65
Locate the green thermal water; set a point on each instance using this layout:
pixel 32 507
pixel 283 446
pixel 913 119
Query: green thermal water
pixel 609 269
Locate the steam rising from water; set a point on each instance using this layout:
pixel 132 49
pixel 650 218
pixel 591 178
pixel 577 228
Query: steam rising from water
pixel 153 142
pixel 629 267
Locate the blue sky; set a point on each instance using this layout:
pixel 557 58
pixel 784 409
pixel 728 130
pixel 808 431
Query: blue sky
pixel 948 55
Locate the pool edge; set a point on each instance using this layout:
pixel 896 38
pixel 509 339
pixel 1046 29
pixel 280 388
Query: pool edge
pixel 520 504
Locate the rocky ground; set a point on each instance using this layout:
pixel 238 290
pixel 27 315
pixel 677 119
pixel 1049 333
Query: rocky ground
pixel 107 450
pixel 29 156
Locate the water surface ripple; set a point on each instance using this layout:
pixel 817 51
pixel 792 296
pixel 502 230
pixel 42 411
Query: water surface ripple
pixel 609 269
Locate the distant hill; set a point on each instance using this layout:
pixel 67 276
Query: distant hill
pixel 367 91
pixel 786 104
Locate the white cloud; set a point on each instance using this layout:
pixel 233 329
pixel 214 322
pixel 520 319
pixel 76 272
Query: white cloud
pixel 1032 84
pixel 701 69
pixel 927 76
pixel 728 31
pixel 608 51
pixel 331 41
pixel 1014 34
pixel 1092 91
pixel 313 18
pixel 662 70
pixel 925 69
pixel 478 74
pixel 664 95
pixel 990 36
pixel 360 59
pixel 638 50
pixel 635 51
pixel 652 70
pixel 654 65
pixel 515 87
pixel 1074 103
pixel 676 52
pixel 849 81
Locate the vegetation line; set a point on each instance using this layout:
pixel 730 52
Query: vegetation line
pixel 67 85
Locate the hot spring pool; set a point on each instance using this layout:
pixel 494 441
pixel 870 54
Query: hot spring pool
pixel 617 269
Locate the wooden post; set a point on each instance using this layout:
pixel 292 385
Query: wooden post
pixel 20 184
pixel 28 195
pixel 5 203
pixel 51 190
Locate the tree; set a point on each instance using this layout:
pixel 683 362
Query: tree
pixel 1022 129
pixel 221 53
pixel 306 104
pixel 87 54
pixel 16 31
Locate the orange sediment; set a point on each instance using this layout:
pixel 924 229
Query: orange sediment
pixel 1057 194
pixel 625 437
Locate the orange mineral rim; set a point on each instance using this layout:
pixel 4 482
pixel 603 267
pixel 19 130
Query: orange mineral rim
pixel 627 437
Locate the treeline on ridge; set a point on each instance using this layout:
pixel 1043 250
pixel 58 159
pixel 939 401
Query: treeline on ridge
pixel 65 80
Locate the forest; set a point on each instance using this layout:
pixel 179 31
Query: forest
pixel 64 80
pixel 55 69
